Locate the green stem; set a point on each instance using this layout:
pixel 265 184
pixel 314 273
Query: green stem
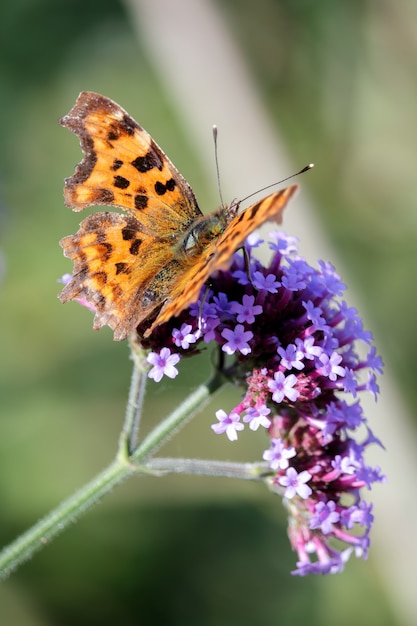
pixel 134 407
pixel 178 418
pixel 207 467
pixel 122 467
pixel 22 548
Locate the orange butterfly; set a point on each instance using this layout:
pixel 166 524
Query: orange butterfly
pixel 150 263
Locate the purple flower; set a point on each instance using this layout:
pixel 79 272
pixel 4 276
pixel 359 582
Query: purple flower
pixel 228 423
pixel 241 276
pixel 184 337
pixel 325 516
pixel 295 484
pixel 293 280
pixel 315 315
pixel 265 283
pixel 308 347
pixel 278 455
pixel 163 364
pixel 330 279
pixel 257 416
pixel 374 361
pixel 350 384
pixel 208 327
pixel 330 366
pixel 223 306
pixel 247 310
pixel 282 243
pixel 283 387
pixel 237 340
pixel 344 465
pixel 291 357
pixel 293 347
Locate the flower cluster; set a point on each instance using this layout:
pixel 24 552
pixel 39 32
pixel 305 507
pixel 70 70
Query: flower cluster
pixel 291 342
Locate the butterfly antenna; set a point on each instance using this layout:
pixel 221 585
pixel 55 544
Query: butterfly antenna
pixel 304 169
pixel 216 158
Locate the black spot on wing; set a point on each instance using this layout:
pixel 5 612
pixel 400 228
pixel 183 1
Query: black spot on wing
pixel 161 188
pixel 102 196
pixel 152 159
pixel 117 292
pixel 105 249
pixel 134 246
pixel 120 267
pixel 117 164
pixel 121 182
pixel 130 229
pixel 141 201
pixel 100 278
pixel 125 126
pixel 128 233
pixel 129 125
pixel 112 135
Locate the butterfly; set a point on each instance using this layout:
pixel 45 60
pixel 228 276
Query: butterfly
pixel 150 262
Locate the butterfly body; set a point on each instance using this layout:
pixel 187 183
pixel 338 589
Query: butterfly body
pixel 204 231
pixel 151 261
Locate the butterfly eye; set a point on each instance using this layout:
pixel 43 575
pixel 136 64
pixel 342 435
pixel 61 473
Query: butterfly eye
pixel 203 233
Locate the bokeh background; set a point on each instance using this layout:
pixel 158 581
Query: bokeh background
pixel 287 82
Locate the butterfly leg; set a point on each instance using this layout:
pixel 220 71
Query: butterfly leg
pixel 200 308
pixel 246 261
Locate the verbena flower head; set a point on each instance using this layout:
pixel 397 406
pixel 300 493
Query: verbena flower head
pixel 301 356
pixel 291 343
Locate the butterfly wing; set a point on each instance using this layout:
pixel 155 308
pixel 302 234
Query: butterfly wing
pixel 131 266
pixel 123 264
pixel 110 251
pixel 124 167
pixel 219 252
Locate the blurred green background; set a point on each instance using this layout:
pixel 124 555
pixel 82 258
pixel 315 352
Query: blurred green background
pixel 339 81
